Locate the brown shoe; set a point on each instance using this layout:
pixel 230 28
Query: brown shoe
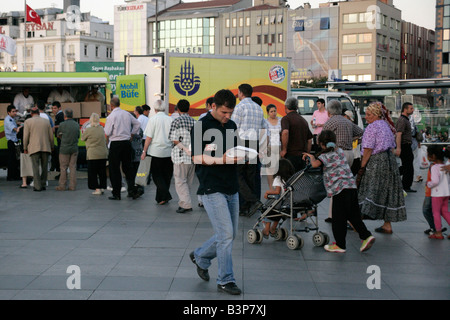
pixel 60 188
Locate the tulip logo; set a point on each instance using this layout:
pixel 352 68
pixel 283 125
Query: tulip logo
pixel 187 83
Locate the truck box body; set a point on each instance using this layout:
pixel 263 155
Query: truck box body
pixel 173 76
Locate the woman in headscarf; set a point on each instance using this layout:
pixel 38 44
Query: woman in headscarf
pixel 380 192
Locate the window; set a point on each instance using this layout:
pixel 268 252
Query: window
pixel 96 51
pixel 364 77
pixel 351 18
pixel 258 21
pixel 364 58
pixel 280 18
pixel 272 38
pixel 349 38
pixel 247 40
pixel 85 50
pixel 266 20
pixel 349 59
pixel 445 58
pixel 49 51
pixel 241 22
pixel 241 40
pixel 227 23
pixel 446 34
pixel 258 39
pixel 247 21
pixel 280 38
pixel 365 17
pixel 234 23
pixel 266 38
pixel 324 23
pixel 365 38
pixel 227 41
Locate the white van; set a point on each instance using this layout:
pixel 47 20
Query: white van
pixel 307 103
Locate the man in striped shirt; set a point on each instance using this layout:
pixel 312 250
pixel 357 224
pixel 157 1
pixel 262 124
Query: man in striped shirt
pixel 249 119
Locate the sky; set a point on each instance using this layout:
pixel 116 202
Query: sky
pixel 420 12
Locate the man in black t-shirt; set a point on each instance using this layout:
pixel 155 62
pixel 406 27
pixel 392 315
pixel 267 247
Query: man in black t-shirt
pixel 403 140
pixel 211 137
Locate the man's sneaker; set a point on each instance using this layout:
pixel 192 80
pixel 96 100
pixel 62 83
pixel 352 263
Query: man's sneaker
pixel 333 248
pixel 366 244
pixel 230 288
pixel 202 273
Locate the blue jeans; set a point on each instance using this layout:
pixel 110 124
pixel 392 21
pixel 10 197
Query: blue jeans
pixel 223 212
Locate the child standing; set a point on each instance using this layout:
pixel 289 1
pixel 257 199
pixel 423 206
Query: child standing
pixel 285 171
pixel 440 192
pixel 341 187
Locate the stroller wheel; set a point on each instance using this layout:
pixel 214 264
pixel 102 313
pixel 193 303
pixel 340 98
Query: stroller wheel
pixel 281 234
pixel 320 239
pixel 254 236
pixel 294 242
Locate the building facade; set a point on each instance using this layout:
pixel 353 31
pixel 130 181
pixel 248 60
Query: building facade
pixel 442 38
pixel 58 42
pixel 312 41
pixel 417 52
pixel 370 38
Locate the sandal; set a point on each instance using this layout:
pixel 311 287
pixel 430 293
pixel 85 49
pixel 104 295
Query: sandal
pixel 382 230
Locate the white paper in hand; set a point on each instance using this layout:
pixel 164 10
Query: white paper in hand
pixel 242 152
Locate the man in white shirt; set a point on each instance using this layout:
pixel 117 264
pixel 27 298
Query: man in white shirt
pixel 143 119
pixel 23 101
pixel 119 127
pixel 61 95
pixel 159 147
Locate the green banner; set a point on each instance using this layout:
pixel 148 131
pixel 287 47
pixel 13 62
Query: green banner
pixel 114 69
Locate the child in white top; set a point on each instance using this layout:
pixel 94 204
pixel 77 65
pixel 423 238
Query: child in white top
pixel 440 191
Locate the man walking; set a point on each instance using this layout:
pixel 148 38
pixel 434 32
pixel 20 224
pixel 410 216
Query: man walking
pixel 218 188
pixel 11 130
pixel 249 119
pixel 68 133
pixel 296 138
pixel 403 140
pixel 183 168
pixel 159 147
pixel 119 127
pixel 59 118
pixel 38 143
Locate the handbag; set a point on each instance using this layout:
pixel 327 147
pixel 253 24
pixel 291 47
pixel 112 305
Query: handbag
pixel 17 146
pixel 143 171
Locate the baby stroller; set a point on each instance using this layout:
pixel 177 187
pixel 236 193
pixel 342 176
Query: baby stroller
pixel 296 206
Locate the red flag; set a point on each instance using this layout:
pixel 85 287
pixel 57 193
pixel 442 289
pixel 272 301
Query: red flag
pixel 32 16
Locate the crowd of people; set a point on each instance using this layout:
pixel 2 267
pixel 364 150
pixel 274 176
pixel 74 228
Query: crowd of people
pixel 361 173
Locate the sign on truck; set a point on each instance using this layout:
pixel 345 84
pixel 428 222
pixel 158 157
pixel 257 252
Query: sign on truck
pixel 173 76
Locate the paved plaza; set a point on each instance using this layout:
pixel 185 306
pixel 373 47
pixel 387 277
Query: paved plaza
pixel 138 250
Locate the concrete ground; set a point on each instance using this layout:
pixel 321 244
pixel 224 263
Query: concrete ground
pixel 136 249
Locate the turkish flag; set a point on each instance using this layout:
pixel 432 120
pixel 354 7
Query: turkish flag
pixel 32 16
